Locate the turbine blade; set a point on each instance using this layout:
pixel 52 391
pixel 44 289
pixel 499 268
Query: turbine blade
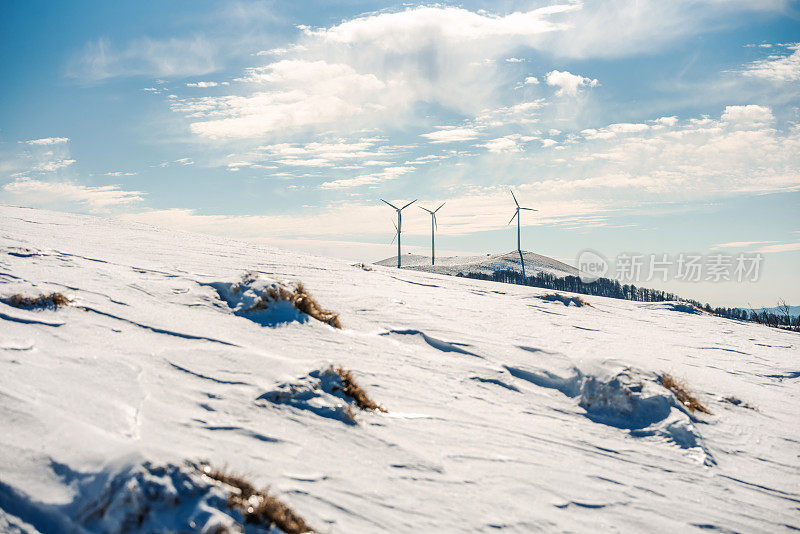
pixel 407 205
pixel 529 209
pixel 440 207
pixel 392 205
pixel 435 224
pixel 512 218
pixel 394 237
pixel 426 209
pixel 515 198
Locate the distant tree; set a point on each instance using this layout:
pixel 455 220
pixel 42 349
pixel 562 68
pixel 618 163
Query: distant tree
pixel 785 312
pixel 606 287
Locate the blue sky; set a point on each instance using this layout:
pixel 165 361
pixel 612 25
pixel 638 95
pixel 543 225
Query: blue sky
pixel 633 126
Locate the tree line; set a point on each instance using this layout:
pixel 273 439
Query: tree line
pixel 606 287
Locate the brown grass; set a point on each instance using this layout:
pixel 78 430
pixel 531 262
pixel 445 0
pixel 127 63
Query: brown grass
pixel 300 299
pixel 354 391
pixel 258 506
pixel 54 300
pixel 684 396
pixel 566 300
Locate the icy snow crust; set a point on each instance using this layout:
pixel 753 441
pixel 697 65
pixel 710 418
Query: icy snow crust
pixel 504 410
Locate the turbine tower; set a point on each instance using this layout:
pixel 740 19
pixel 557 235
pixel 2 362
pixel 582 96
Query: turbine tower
pixel 516 214
pixel 399 225
pixel 434 226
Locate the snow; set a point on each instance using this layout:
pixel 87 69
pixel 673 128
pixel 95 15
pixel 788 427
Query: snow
pixel 486 264
pixel 505 410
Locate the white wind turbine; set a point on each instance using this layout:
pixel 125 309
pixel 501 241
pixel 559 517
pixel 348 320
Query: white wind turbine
pixel 434 226
pixel 399 225
pixel 516 214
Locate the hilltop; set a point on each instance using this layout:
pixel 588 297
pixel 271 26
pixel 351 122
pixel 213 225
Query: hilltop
pixel 170 356
pixel 485 264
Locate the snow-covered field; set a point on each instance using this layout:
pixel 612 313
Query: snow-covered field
pixel 505 410
pixel 485 264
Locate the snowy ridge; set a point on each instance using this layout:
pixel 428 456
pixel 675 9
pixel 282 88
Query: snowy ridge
pixel 505 410
pixel 486 264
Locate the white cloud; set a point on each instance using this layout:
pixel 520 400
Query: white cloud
pixel 299 93
pixel 627 127
pixel 50 166
pixel 783 247
pixel 739 244
pixel 568 83
pixel 521 113
pixel 514 60
pixel 400 30
pixel 202 84
pixel 777 67
pixel 666 121
pixel 750 114
pixel 389 173
pixel 502 144
pixel 531 80
pixel 95 198
pixel 451 135
pixel 48 141
pixel 371 70
pixel 338 152
pixel 620 28
pixel 741 152
pixel 101 60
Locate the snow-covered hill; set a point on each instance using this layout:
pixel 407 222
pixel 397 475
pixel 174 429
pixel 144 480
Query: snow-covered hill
pixel 504 409
pixel 485 264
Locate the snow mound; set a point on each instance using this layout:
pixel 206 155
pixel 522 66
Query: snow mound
pixel 566 300
pixel 683 307
pixel 624 398
pixel 321 392
pixel 139 497
pixel 170 498
pixel 263 301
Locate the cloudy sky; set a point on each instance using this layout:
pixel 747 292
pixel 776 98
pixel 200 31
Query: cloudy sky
pixel 631 125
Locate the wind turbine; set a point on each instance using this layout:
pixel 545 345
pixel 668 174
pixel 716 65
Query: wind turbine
pixel 434 226
pixel 516 214
pixel 399 224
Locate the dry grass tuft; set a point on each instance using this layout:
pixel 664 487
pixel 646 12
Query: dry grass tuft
pixel 300 299
pixel 354 391
pixel 684 396
pixel 53 300
pixel 258 506
pixel 566 300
